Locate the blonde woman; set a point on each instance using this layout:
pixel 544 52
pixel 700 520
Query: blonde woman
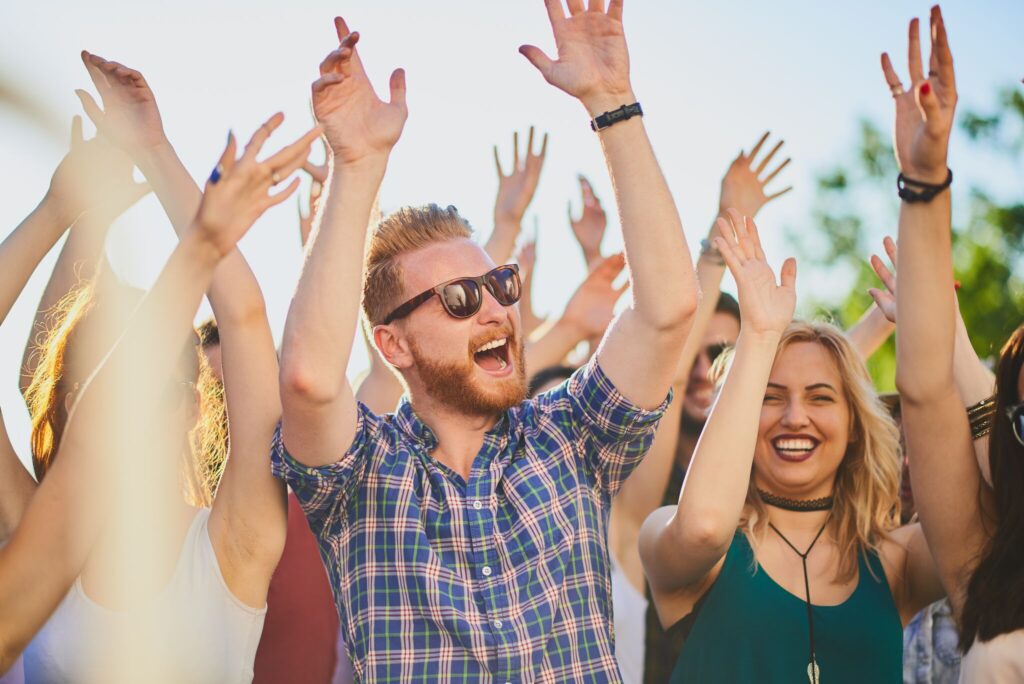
pixel 783 554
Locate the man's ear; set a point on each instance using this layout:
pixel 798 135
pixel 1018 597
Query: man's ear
pixel 393 346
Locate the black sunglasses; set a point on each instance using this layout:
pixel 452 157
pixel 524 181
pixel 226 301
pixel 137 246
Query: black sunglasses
pixel 462 297
pixel 1016 415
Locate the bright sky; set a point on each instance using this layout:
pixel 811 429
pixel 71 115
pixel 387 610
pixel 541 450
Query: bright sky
pixel 711 78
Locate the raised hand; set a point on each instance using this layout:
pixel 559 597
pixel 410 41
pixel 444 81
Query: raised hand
pixel 886 300
pixel 129 117
pixel 590 226
pixel 743 186
pixel 924 112
pixel 766 306
pixel 593 62
pixel 516 189
pixel 356 123
pixel 592 306
pixel 93 175
pixel 237 192
pixel 526 257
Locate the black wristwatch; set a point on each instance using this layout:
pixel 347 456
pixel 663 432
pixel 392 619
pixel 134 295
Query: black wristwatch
pixel 623 113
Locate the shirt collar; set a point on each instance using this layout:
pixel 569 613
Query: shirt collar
pixel 411 425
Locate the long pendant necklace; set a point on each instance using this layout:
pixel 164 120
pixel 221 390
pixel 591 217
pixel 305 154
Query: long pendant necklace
pixel 813 671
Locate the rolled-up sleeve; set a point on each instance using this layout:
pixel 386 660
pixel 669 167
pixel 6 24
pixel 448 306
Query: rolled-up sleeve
pixel 322 490
pixel 617 432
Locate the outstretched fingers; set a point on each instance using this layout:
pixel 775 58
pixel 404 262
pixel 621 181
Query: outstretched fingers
pixel 891 250
pixel 883 273
pixel 615 9
pixel 538 59
pixel 914 52
pixel 941 57
pixel 891 78
pixel 294 156
pixel 92 110
pixel 787 276
pixel 280 196
pixel 768 157
pixel 757 147
pixel 767 179
pixel 259 138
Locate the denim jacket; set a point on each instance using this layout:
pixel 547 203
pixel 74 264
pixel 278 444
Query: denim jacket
pixel 931 653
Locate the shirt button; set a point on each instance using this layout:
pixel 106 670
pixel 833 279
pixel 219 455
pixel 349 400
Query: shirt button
pixel 487 571
pixel 497 624
pixel 477 505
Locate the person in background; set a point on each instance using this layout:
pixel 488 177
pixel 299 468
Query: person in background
pixel 971 514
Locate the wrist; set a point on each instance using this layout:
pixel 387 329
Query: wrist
pixel 767 339
pixel 148 156
pixel 200 243
pixel 599 103
pixel 56 210
pixel 931 175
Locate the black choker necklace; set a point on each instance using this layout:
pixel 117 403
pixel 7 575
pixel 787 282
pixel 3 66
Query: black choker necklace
pixel 822 504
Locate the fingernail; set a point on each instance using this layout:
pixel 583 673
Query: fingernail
pixel 926 88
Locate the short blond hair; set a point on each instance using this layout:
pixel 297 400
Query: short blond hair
pixel 405 230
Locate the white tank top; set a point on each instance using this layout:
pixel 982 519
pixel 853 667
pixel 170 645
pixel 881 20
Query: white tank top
pixel 630 608
pixel 200 633
pixel 998 661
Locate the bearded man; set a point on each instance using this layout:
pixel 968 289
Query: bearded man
pixel 465 536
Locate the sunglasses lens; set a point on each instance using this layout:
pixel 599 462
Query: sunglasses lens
pixel 714 351
pixel 504 284
pixel 462 298
pixel 1017 419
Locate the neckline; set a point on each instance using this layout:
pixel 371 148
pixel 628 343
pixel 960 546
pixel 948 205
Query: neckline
pixel 800 599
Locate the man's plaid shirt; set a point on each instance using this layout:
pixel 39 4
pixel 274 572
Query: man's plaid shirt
pixel 504 578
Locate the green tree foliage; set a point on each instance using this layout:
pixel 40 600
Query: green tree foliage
pixel 855 205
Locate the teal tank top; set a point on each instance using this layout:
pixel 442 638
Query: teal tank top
pixel 747 628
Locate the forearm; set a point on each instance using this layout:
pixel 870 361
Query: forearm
pixel 78 262
pixel 234 293
pixel 503 239
pixel 25 247
pixel 16 486
pixel 661 268
pixel 715 489
pixel 870 332
pixel 924 347
pixel 551 348
pixel 322 318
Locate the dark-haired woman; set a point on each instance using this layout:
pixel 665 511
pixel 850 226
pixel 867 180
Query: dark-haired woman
pixel 976 533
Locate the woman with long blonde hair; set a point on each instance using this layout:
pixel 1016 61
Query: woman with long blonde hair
pixel 783 556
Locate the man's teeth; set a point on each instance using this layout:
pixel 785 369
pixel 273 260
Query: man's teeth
pixel 794 444
pixel 492 345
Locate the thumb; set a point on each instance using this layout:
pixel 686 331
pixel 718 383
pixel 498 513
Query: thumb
pixel 537 58
pixel 788 275
pixel 92 110
pixel 76 131
pixel 397 84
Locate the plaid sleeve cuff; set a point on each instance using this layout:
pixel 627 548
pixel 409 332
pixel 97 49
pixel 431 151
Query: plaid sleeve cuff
pixel 606 410
pixel 320 488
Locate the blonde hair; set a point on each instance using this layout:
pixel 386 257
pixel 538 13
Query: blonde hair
pixel 85 323
pixel 866 491
pixel 405 230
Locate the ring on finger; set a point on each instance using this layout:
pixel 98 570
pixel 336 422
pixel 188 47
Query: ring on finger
pixel 896 90
pixel 275 177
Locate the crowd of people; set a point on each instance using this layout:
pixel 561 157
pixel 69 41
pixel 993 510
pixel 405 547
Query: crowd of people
pixel 680 487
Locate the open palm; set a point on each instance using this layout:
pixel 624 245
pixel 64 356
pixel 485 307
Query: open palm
pixel 356 123
pixel 925 110
pixel 766 305
pixel 593 61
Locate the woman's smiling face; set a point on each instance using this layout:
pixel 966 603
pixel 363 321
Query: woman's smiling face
pixel 804 429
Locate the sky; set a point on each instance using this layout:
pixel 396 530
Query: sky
pixel 711 76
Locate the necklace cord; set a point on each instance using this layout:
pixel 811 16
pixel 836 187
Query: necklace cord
pixel 807 592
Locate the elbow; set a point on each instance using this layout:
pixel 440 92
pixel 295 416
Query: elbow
pixel 303 379
pixel 705 530
pixel 673 317
pixel 920 388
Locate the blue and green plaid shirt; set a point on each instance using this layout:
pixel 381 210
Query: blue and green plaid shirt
pixel 502 578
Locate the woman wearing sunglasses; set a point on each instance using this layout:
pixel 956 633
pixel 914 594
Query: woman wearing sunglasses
pixel 975 530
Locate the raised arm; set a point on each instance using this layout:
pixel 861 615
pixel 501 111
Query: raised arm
pixel 89 175
pixel 974 380
pixel 588 314
pixel 319 408
pixel 64 517
pixel 248 522
pixel 944 473
pixel 590 227
pixel 515 192
pixel 593 66
pixel 680 545
pixel 526 257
